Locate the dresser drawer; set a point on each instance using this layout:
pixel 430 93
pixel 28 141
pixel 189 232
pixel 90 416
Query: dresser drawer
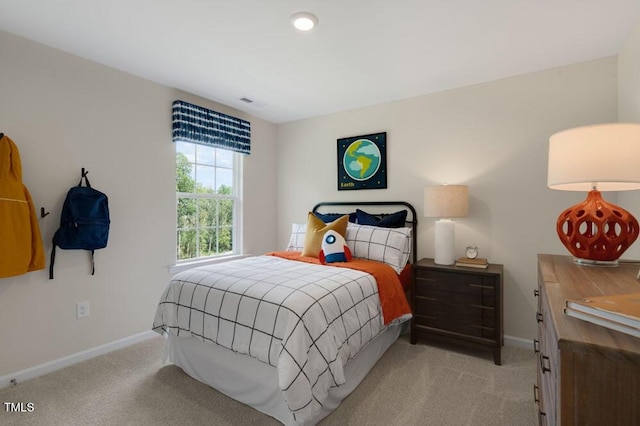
pixel 548 362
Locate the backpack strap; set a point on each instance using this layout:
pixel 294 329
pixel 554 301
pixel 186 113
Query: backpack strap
pixel 53 258
pixel 86 179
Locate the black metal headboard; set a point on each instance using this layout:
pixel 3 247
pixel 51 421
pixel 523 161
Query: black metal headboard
pixel 412 220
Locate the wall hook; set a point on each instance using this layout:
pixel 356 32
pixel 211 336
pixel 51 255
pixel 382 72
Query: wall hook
pixel 42 212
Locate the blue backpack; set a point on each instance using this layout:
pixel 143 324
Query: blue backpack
pixel 84 223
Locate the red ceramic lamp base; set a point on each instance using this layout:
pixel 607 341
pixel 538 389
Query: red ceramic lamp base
pixel 597 231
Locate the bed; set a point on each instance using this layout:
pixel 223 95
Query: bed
pixel 286 334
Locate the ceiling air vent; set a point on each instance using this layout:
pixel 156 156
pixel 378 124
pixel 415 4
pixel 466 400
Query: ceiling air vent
pixel 254 104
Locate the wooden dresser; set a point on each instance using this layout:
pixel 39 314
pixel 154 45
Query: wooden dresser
pixel 587 374
pixel 458 305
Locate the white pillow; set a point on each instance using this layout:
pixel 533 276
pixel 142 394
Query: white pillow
pixel 298 232
pixel 386 245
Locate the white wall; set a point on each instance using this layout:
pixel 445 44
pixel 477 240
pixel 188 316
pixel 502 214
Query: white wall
pixel 65 113
pixel 629 78
pixel 629 111
pixel 492 137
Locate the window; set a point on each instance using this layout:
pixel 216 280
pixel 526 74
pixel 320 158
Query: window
pixel 207 198
pixel 209 146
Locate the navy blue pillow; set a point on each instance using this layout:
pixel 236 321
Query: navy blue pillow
pixel 392 220
pixel 330 217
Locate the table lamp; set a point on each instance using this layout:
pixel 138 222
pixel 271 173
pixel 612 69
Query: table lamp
pixel 604 157
pixel 445 202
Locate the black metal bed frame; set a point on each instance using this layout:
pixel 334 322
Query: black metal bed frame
pixel 412 221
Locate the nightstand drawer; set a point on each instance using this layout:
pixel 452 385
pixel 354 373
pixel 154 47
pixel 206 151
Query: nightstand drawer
pixel 454 301
pixel 459 326
pixel 448 278
pixel 462 315
pixel 428 281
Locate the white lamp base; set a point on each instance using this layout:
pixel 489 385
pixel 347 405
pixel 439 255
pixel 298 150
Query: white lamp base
pixel 444 242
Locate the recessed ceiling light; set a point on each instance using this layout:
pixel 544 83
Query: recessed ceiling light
pixel 304 21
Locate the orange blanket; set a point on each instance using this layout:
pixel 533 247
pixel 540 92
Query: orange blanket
pixel 392 298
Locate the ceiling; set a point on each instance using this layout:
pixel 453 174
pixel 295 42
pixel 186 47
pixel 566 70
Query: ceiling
pixel 363 52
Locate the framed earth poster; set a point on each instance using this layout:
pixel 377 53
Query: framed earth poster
pixel 362 162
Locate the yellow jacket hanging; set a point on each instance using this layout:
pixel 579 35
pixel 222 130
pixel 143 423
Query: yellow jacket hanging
pixel 21 248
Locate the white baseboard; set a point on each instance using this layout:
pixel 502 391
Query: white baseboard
pixel 518 342
pixel 57 364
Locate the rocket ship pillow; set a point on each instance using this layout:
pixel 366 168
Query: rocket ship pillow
pixel 334 248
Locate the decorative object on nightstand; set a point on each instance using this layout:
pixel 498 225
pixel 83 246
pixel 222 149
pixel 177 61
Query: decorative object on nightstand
pixel 459 306
pixel 479 262
pixel 445 202
pixel 471 259
pixel 596 158
pixel 471 252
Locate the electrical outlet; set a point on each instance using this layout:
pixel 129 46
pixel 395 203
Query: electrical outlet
pixel 82 310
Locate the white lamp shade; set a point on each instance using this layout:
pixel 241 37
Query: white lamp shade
pixel 604 155
pixel 446 201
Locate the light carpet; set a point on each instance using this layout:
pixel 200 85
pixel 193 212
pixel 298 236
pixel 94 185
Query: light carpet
pixel 410 385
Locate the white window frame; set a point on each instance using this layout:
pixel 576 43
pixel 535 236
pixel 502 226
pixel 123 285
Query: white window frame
pixel 236 234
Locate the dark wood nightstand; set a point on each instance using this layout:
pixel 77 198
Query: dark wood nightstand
pixel 458 305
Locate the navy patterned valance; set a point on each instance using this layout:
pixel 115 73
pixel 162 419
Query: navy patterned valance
pixel 192 123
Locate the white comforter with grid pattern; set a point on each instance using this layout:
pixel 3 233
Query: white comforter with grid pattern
pixel 304 319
